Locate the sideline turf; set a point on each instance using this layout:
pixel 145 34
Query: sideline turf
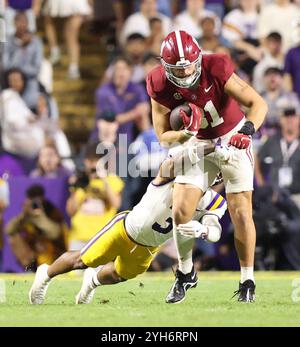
pixel 140 302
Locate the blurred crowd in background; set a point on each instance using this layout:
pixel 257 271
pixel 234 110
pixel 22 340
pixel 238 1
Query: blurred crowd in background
pixel 39 221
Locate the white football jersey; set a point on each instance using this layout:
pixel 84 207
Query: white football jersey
pixel 150 222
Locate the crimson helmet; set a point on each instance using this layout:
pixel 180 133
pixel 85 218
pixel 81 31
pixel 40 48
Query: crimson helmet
pixel 179 50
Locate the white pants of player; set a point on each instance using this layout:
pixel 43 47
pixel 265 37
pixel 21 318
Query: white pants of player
pixel 237 172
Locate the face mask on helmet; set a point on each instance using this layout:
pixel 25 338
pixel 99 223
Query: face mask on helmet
pixel 184 81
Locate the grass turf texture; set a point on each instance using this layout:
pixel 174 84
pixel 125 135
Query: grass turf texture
pixel 140 302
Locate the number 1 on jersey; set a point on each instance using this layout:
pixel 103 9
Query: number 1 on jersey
pixel 216 118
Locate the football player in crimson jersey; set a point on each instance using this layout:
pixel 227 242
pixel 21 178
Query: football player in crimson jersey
pixel 209 82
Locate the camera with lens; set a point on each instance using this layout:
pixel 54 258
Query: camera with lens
pixel 82 180
pixel 36 204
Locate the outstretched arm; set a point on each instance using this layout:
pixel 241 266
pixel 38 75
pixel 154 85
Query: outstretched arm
pixel 209 229
pixel 183 160
pixel 247 96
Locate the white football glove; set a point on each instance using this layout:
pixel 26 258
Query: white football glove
pixel 223 152
pixel 193 229
pixel 197 150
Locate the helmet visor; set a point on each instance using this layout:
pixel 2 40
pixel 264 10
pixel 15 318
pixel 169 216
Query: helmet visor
pixel 183 75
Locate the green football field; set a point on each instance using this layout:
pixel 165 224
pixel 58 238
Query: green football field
pixel 140 302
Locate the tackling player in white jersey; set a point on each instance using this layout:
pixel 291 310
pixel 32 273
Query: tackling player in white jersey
pixel 128 243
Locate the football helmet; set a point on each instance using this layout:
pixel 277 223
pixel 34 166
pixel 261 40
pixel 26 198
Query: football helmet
pixel 180 50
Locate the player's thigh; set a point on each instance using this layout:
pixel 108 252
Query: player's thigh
pixel 130 264
pixel 238 172
pixel 105 246
pixel 200 175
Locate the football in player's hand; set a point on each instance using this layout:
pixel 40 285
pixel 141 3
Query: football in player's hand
pixel 176 122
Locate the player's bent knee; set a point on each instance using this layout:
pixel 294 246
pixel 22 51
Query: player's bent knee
pixel 181 215
pixel 117 278
pixel 79 264
pixel 242 217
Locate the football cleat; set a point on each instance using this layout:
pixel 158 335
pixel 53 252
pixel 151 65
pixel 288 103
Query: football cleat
pixel 87 290
pixel 40 285
pixel 246 291
pixel 182 283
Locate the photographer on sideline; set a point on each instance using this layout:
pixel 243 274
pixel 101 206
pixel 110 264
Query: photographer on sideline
pixel 94 200
pixel 37 234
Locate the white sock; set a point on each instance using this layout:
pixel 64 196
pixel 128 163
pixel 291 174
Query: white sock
pixel 184 247
pixel 47 278
pixel 185 266
pixel 247 274
pixel 95 281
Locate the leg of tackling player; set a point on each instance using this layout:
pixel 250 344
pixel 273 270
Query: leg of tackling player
pixel 67 262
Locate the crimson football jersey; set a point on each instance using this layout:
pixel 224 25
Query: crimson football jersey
pixel 221 112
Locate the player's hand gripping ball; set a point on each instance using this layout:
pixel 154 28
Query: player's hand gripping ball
pixel 187 117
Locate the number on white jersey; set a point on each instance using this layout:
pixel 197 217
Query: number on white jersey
pixel 157 227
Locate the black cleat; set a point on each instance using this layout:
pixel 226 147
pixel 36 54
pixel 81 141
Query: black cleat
pixel 181 285
pixel 246 291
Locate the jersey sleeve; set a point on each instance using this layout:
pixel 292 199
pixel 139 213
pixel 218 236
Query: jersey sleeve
pixel 222 68
pixel 156 87
pixel 214 203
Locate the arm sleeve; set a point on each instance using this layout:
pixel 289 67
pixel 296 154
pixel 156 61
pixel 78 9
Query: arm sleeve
pixel 214 227
pixel 155 89
pixel 33 69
